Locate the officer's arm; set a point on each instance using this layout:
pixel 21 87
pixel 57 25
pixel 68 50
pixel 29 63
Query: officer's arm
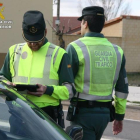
pixel 66 81
pixel 73 59
pixel 5 70
pixel 121 93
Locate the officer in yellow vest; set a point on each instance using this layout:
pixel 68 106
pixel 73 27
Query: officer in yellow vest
pixel 98 67
pixel 40 62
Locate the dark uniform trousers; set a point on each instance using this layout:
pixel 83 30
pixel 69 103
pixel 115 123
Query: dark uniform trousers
pixel 93 120
pixel 56 113
pixel 51 111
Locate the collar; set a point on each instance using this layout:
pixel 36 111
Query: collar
pixel 94 34
pixel 46 40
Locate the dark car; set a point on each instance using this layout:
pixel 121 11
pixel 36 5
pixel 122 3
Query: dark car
pixel 20 119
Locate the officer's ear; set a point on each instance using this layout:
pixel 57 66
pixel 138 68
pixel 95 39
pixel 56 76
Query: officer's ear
pixel 45 31
pixel 85 24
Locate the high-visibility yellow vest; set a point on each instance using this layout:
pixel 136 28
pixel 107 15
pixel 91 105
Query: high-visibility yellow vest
pixel 32 67
pixel 99 66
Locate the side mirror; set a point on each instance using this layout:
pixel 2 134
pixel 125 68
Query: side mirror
pixel 75 132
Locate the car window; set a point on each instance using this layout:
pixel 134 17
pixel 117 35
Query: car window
pixel 19 120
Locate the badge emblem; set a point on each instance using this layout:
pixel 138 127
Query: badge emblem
pixel 33 29
pixel 1 10
pixel 1 4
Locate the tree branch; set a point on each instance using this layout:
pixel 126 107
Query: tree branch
pixel 112 8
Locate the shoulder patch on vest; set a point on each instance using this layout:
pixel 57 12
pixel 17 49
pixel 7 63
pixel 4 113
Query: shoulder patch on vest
pixel 24 55
pixel 69 66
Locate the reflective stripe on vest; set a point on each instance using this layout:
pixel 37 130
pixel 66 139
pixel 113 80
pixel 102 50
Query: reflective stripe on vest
pixel 18 51
pixel 86 87
pixel 47 66
pixel 86 68
pixel 121 95
pixel 93 97
pixel 118 67
pixel 126 80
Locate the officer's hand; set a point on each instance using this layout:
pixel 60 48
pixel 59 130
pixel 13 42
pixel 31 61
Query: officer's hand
pixel 117 127
pixel 40 91
pixel 11 84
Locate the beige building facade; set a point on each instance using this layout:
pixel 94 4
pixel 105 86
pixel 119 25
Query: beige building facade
pixel 127 30
pixel 11 17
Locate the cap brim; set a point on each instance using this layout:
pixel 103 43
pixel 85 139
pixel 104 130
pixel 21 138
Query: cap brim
pixel 30 38
pixel 80 18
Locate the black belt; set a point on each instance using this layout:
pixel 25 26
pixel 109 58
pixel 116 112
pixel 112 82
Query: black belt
pixel 91 104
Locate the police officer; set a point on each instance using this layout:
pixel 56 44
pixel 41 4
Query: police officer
pixel 40 62
pixel 98 67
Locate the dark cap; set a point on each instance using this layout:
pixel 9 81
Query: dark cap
pixel 92 10
pixel 33 26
